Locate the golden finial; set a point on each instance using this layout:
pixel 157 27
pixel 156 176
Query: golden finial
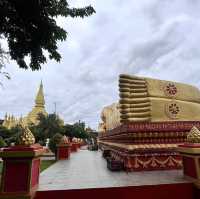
pixel 26 138
pixel 6 116
pixel 194 135
pixel 64 140
pixel 74 139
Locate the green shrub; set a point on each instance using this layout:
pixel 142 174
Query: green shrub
pixel 2 142
pixel 54 141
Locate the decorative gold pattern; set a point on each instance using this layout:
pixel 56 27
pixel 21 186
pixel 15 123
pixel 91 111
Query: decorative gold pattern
pixel 154 162
pixel 26 138
pixel 64 140
pixel 194 135
pixel 150 100
pixel 172 109
pixel 170 89
pixel 132 147
pixel 74 139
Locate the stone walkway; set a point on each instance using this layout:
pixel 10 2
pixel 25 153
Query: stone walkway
pixel 87 169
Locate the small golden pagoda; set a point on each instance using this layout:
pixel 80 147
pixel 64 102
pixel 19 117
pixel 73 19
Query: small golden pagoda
pixel 194 135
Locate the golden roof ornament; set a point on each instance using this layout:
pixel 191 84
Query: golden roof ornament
pixel 26 138
pixel 64 140
pixel 74 139
pixel 194 135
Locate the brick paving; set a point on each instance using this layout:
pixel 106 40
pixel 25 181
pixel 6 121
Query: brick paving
pixel 87 169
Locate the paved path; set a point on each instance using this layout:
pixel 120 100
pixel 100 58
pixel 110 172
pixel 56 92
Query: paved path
pixel 87 169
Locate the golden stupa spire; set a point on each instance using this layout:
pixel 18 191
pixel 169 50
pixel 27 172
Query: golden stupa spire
pixel 39 100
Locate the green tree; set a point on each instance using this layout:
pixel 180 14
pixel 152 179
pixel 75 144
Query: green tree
pixel 3 58
pixel 76 130
pixel 5 133
pixel 54 141
pixel 69 130
pixel 13 135
pixel 47 127
pixel 30 28
pixel 2 142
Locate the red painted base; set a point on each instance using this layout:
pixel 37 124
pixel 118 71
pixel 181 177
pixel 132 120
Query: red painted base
pixel 172 191
pixel 147 145
pixel 74 147
pixel 21 169
pixel 148 161
pixel 63 152
pixel 191 160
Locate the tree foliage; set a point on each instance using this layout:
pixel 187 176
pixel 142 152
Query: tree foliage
pixel 54 141
pixel 47 127
pixel 30 28
pixel 10 135
pixel 2 142
pixel 3 58
pixel 76 130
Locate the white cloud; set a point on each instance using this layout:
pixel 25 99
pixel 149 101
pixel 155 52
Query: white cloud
pixel 149 37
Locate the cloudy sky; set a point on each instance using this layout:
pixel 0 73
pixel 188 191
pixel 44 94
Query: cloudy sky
pixel 153 38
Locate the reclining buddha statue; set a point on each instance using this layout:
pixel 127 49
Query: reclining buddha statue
pixel 152 117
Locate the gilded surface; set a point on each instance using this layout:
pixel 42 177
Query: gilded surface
pixel 26 138
pixel 38 108
pixel 145 99
pixel 194 135
pixel 151 100
pixel 64 140
pixel 110 116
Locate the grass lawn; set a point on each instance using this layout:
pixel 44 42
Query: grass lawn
pixel 44 165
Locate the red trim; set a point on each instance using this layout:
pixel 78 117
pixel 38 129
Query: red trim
pixel 190 145
pixel 178 126
pixel 21 148
pixel 166 191
pixel 189 167
pixel 35 172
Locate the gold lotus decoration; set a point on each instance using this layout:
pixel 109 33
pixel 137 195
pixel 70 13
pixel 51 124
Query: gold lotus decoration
pixel 26 138
pixel 64 140
pixel 194 135
pixel 75 139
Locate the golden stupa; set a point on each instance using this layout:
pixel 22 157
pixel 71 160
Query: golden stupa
pixel 39 107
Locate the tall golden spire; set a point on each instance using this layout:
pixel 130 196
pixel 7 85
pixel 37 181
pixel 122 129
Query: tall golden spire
pixel 39 100
pixel 39 107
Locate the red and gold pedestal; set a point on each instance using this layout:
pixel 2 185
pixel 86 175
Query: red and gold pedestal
pixel 138 158
pixel 79 145
pixel 21 170
pixel 63 151
pixel 191 160
pixel 74 147
pixel 147 145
